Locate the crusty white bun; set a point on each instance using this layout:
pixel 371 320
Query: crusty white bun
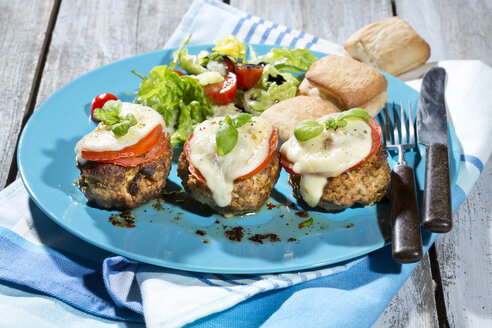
pixel 390 45
pixel 286 114
pixel 346 83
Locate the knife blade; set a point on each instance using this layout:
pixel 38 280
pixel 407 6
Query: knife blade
pixel 432 131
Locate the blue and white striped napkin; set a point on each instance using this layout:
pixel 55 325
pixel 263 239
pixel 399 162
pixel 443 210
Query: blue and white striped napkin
pixel 36 253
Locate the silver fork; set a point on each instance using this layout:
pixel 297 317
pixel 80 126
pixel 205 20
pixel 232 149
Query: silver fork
pixel 405 232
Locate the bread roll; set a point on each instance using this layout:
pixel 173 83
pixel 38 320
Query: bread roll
pixel 390 45
pixel 346 83
pixel 286 114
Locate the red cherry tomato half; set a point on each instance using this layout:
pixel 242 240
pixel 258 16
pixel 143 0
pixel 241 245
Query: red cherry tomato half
pixel 228 64
pixel 178 72
pixel 248 75
pixel 223 92
pixel 99 101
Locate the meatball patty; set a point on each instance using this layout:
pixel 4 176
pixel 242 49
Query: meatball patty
pixel 247 194
pixel 364 185
pixel 111 186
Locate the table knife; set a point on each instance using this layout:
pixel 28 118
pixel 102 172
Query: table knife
pixel 432 131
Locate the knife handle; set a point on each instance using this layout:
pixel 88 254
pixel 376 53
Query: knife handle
pixel 437 215
pixel 406 238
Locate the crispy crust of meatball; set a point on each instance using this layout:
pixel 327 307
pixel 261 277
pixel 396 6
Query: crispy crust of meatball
pixel 247 194
pixel 111 186
pixel 364 185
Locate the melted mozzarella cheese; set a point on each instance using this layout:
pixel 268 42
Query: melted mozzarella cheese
pixel 103 139
pixel 327 155
pixel 220 171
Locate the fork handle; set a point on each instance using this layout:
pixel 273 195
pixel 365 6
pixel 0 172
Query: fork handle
pixel 437 216
pixel 406 238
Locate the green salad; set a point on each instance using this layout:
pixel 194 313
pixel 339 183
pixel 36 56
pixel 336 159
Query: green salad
pixel 220 82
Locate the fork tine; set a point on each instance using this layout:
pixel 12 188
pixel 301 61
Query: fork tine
pixel 410 124
pixel 403 124
pixel 395 127
pixel 386 125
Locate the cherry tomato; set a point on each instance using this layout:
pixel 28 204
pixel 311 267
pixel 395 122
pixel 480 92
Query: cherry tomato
pixel 178 72
pixel 376 142
pixel 228 64
pixel 99 101
pixel 142 146
pixel 223 92
pixel 248 75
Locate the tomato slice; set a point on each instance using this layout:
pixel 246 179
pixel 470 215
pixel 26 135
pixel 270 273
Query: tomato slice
pixel 178 72
pixel 149 156
pixel 376 142
pixel 223 92
pixel 191 168
pixel 142 146
pixel 272 147
pixel 248 75
pixel 99 101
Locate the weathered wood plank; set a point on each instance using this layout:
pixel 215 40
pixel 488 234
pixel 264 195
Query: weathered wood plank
pixel 465 258
pixel 23 25
pixel 91 38
pixel 414 304
pixel 454 29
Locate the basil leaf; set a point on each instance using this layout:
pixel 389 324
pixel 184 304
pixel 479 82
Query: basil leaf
pixel 109 114
pixel 307 129
pixel 240 119
pixel 120 129
pixel 306 223
pixel 341 120
pixel 226 137
pixel 355 113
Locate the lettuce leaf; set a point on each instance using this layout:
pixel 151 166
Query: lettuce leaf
pixel 273 87
pixel 295 60
pixel 180 100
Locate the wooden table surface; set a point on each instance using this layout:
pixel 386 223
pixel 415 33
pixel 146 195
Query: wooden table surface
pixel 45 44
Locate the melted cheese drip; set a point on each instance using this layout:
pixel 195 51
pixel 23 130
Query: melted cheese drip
pixel 220 171
pixel 103 139
pixel 328 155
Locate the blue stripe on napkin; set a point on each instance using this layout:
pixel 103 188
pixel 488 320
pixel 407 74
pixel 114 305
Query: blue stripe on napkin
pixel 252 30
pixel 72 279
pixel 240 24
pixel 267 33
pixel 312 43
pixel 474 160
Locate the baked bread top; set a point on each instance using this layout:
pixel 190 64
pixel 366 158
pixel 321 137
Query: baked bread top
pixel 286 114
pixel 350 82
pixel 391 45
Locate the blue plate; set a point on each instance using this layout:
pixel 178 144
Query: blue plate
pixel 178 233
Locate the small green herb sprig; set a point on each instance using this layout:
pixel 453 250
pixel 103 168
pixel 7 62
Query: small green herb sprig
pixel 226 136
pixel 309 129
pixel 109 114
